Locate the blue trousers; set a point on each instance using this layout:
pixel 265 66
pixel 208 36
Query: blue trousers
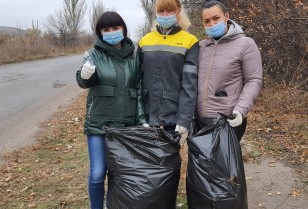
pixel 97 172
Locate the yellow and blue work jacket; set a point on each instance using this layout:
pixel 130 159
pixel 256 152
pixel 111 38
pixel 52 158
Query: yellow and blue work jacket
pixel 169 66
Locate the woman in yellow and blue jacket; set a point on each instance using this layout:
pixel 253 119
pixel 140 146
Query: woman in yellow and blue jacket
pixel 169 59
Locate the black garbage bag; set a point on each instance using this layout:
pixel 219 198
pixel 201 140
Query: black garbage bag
pixel 143 168
pixel 215 171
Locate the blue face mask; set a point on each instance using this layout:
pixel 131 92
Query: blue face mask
pixel 217 30
pixel 166 21
pixel 113 37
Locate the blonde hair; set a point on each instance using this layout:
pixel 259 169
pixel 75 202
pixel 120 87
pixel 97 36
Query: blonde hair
pixel 173 5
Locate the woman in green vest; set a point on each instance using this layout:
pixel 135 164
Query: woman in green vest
pixel 111 73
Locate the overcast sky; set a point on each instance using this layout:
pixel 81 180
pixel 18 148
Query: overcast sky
pixel 21 13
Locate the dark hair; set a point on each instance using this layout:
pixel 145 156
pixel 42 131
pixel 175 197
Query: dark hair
pixel 215 3
pixel 109 19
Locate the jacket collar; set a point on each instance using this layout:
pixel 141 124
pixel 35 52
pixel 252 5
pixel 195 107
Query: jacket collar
pixel 172 30
pixel 122 53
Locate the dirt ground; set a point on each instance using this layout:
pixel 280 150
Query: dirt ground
pixel 276 169
pixel 271 184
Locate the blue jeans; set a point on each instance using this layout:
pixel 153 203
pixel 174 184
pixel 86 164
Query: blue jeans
pixel 98 171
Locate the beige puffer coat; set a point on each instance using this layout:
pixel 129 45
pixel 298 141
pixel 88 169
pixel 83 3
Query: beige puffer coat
pixel 233 64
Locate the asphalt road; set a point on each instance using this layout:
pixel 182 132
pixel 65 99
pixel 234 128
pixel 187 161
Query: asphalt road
pixel 29 93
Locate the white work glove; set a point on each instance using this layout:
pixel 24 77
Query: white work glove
pixel 237 121
pixel 87 70
pixel 180 129
pixel 146 125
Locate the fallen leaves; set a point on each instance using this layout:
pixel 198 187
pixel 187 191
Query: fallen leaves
pixel 25 189
pixel 295 193
pixel 8 178
pixel 272 163
pixel 280 125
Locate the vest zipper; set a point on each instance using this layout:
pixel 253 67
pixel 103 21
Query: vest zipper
pixel 89 110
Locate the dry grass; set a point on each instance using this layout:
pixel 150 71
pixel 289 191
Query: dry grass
pixel 19 49
pixel 53 173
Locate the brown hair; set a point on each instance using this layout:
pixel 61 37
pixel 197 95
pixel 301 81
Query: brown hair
pixel 215 3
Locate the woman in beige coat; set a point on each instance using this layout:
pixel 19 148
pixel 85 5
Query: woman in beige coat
pixel 230 70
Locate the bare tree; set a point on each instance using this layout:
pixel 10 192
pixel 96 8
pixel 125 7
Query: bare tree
pixel 98 8
pixel 33 33
pixel 148 7
pixel 66 25
pixel 74 12
pixel 142 29
pixel 57 29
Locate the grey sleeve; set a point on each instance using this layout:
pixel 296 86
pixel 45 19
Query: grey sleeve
pixel 188 94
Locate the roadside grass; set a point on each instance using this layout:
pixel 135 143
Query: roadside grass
pixel 53 173
pixel 26 48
